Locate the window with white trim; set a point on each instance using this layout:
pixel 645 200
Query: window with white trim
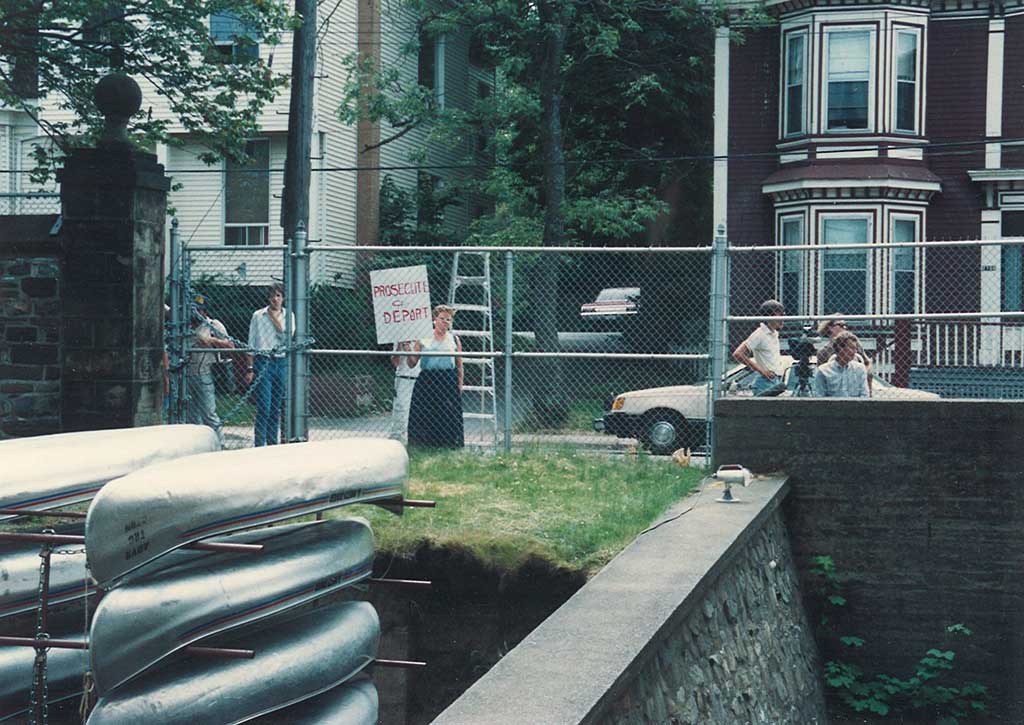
pixel 233 39
pixel 795 104
pixel 906 94
pixel 844 276
pixel 848 71
pixel 1013 263
pixel 247 197
pixel 904 229
pixel 791 277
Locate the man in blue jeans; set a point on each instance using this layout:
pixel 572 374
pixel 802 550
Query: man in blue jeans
pixel 267 365
pixel 760 351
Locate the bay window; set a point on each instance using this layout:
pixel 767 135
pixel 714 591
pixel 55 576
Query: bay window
pixel 906 81
pixel 792 265
pixel 849 79
pixel 903 230
pixel 796 81
pixel 845 271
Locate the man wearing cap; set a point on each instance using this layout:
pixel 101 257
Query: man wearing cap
pixel 202 393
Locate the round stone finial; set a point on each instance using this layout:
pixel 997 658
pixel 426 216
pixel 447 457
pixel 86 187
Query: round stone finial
pixel 118 97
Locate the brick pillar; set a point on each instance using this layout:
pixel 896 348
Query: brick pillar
pixel 114 203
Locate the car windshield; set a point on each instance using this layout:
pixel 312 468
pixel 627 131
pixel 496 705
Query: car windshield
pixel 618 293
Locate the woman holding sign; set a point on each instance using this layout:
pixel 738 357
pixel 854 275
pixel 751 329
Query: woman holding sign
pixel 435 414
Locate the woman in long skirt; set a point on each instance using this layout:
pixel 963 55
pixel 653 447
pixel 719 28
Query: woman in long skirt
pixel 435 413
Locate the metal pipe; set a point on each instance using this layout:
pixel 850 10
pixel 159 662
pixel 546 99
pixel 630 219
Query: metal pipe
pixel 507 421
pixel 717 333
pixel 530 250
pixel 300 306
pixel 289 336
pixel 921 316
pixel 415 503
pixel 403 664
pixel 36 512
pixel 224 652
pixel 78 539
pixel 413 583
pixel 499 353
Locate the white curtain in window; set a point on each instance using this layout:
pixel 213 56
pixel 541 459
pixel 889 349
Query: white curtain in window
pixel 848 56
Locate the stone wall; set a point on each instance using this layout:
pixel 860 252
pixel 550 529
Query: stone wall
pixel 921 506
pixel 698 620
pixel 30 327
pixel 742 654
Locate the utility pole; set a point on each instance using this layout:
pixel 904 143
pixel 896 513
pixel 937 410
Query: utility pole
pixel 295 197
pixel 295 211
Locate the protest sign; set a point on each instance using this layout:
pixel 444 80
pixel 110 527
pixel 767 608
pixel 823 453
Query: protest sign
pixel 401 303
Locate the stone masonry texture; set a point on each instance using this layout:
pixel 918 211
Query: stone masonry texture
pixel 30 342
pixel 921 506
pixel 743 653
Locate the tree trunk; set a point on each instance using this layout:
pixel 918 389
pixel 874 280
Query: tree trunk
pixel 549 402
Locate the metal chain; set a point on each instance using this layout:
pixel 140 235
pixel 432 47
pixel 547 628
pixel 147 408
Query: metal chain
pixel 39 666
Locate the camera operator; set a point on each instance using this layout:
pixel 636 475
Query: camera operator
pixel 843 376
pixel 760 351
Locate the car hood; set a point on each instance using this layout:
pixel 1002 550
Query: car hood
pixel 668 391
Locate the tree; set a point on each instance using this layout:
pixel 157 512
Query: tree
pixel 593 97
pixel 52 54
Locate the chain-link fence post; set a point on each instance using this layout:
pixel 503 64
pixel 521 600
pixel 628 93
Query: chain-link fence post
pixel 179 325
pixel 288 270
pixel 718 333
pixel 507 418
pixel 298 372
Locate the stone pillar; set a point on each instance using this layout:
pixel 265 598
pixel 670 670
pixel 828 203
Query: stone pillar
pixel 114 203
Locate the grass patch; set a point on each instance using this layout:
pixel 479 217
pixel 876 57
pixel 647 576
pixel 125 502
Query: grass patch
pixel 576 510
pixel 579 419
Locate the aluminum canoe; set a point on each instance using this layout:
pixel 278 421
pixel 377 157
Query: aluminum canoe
pixel 146 514
pixel 354 703
pixel 19 577
pixel 45 472
pixel 296 658
pixel 64 671
pixel 146 619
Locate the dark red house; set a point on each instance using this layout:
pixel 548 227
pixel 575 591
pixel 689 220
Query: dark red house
pixel 871 122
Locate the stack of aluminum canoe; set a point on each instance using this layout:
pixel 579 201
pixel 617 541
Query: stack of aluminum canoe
pixel 161 598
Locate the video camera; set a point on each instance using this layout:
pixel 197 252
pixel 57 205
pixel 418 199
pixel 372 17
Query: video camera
pixel 801 348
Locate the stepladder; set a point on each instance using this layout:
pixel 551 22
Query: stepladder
pixel 469 293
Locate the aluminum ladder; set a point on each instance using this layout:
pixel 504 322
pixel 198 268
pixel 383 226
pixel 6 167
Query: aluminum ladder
pixel 469 293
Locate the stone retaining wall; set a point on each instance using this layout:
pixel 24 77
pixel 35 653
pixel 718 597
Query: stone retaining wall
pixel 699 620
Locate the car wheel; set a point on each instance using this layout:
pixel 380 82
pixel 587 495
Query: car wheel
pixel 664 431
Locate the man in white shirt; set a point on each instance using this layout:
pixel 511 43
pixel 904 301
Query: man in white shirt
pixel 843 376
pixel 267 366
pixel 202 391
pixel 760 351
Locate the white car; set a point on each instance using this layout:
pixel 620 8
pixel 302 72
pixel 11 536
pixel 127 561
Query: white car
pixel 673 417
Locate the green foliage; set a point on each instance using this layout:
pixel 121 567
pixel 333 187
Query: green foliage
pixel 920 695
pixel 59 51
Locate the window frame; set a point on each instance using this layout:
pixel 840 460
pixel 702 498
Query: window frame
pixel 915 221
pixel 823 271
pixel 799 221
pixel 916 33
pixel 236 55
pixel 263 239
pixel 789 37
pixel 871 31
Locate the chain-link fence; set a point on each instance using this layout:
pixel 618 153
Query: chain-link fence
pixel 24 192
pixel 607 347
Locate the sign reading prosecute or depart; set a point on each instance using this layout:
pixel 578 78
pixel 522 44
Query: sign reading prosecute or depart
pixel 401 303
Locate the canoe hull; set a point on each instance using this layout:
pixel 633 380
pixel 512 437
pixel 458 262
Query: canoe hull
pixel 143 515
pixel 296 659
pixel 139 623
pixel 46 472
pixel 64 671
pixel 19 578
pixel 354 703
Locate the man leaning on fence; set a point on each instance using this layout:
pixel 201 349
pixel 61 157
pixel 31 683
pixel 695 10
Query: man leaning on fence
pixel 843 376
pixel 202 392
pixel 267 365
pixel 760 351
